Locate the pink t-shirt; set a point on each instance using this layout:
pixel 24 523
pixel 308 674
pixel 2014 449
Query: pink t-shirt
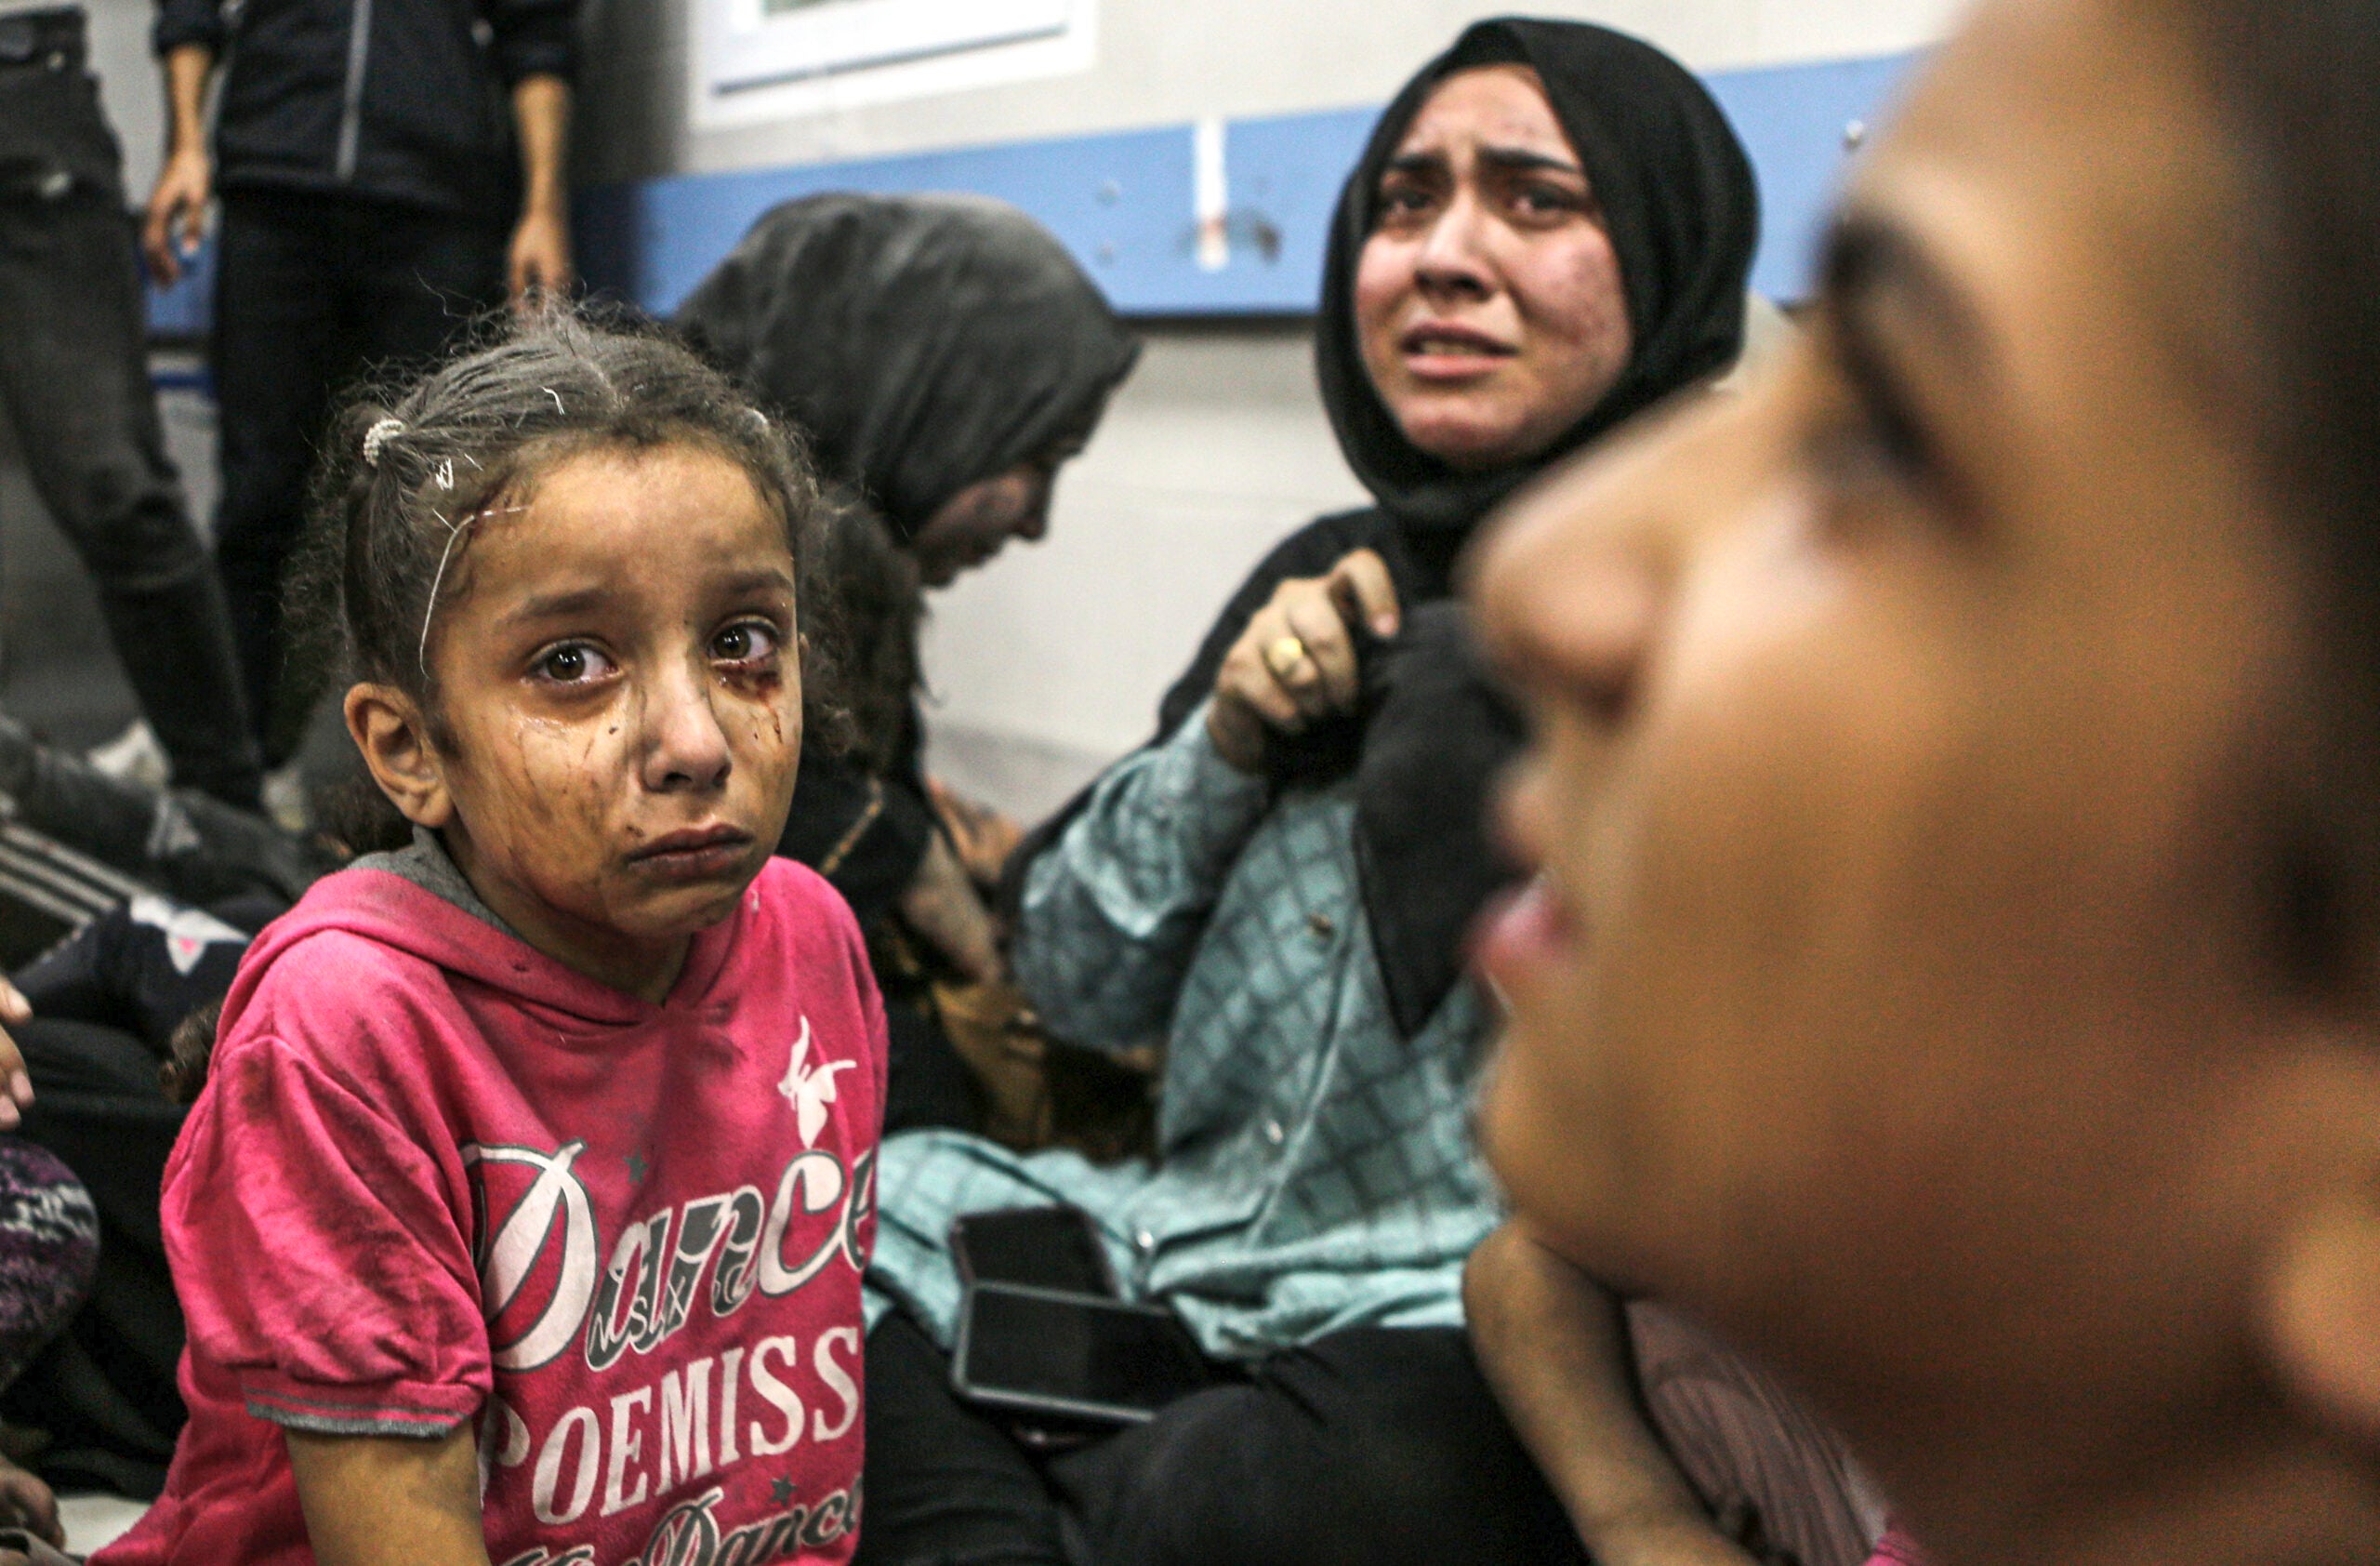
pixel 435 1175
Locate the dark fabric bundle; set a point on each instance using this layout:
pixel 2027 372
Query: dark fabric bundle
pixel 1678 200
pixel 1425 854
pixel 922 342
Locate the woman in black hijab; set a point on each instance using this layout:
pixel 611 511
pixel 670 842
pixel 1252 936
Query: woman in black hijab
pixel 1550 231
pixel 944 356
pixel 1666 182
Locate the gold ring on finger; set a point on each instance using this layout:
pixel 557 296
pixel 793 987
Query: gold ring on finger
pixel 1283 654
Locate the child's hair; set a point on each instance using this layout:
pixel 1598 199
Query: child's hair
pixel 188 1051
pixel 410 474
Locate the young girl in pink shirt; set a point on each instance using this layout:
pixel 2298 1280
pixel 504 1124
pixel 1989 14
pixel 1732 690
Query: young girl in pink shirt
pixel 523 1217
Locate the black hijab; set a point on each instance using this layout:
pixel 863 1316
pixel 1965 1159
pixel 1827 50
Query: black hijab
pixel 923 342
pixel 1678 200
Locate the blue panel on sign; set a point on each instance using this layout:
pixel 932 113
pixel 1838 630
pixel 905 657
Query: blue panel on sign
pixel 1793 120
pixel 1285 177
pixel 1115 201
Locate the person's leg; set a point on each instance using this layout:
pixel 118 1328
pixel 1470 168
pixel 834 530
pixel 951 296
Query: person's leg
pixel 1371 1447
pixel 945 1485
pixel 276 357
pixel 392 290
pixel 418 288
pixel 75 376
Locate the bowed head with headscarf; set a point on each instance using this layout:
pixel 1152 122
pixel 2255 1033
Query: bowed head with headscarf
pixel 922 342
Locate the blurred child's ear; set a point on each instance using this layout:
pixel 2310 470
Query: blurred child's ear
pixel 389 727
pixel 2322 1287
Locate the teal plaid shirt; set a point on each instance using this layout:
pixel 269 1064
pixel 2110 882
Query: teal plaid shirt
pixel 1316 1168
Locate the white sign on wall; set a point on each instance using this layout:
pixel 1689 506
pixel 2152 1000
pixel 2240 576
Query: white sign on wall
pixel 777 58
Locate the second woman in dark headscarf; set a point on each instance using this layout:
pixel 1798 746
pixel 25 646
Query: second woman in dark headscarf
pixel 944 356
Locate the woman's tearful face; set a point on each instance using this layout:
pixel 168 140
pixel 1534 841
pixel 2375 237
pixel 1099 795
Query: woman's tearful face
pixel 1488 299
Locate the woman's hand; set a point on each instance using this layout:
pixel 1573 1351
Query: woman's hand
pixel 16 1084
pixel 177 219
pixel 1296 661
pixel 984 837
pixel 26 1503
pixel 537 264
pixel 941 908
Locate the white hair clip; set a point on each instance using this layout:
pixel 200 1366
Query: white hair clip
pixel 379 435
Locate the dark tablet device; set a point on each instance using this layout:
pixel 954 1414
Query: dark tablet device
pixel 1070 1356
pixel 1055 1247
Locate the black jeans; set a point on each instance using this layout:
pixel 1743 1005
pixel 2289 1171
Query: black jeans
pixel 1371 1447
pixel 74 381
pixel 312 293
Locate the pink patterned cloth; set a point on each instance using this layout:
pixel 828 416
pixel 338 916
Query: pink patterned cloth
pixel 1776 1479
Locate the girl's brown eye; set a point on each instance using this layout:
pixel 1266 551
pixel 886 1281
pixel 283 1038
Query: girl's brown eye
pixel 745 642
pixel 573 663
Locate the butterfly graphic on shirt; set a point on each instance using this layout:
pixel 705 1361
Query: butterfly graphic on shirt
pixel 810 1089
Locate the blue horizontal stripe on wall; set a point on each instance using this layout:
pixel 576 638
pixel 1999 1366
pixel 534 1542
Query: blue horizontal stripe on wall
pixel 1122 202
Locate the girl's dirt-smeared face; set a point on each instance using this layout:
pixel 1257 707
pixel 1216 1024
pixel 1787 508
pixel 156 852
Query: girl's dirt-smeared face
pixel 620 689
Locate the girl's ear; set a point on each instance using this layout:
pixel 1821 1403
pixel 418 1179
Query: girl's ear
pixel 389 727
pixel 2321 1286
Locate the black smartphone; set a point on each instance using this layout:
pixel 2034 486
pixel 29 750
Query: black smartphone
pixel 1055 1247
pixel 1070 1356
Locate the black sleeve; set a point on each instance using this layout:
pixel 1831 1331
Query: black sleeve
pixel 188 22
pixel 532 38
pixel 865 834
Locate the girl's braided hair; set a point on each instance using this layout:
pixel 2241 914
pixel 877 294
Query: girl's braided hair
pixel 411 470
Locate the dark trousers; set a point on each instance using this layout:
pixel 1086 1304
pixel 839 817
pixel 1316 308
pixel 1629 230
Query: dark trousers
pixel 1371 1447
pixel 311 294
pixel 75 382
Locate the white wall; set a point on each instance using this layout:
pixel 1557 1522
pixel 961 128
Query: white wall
pixel 1050 661
pixel 130 86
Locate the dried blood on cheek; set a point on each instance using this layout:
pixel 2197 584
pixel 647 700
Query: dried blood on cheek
pixel 562 781
pixel 763 688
